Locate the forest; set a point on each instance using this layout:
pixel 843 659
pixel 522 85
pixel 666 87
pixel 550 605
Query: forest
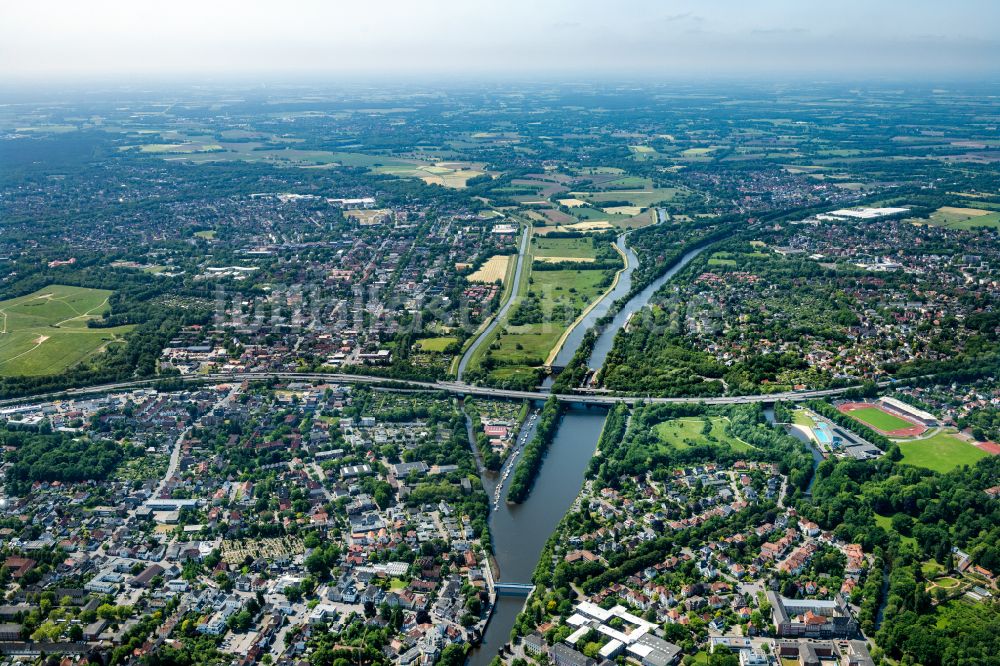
pixel 931 515
pixel 47 456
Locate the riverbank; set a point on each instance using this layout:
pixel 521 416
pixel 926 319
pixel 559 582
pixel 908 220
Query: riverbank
pixel 554 354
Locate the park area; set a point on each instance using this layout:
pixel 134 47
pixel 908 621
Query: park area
pixel 46 332
pixel 547 303
pixel 689 432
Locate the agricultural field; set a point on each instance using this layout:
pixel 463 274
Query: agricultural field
pixel 879 419
pixel 951 217
pixel 181 148
pixel 697 152
pixel 643 198
pixel 560 295
pixel 575 249
pixel 46 332
pixel 941 452
pixel 583 227
pixel 445 174
pixel 685 433
pixel 494 269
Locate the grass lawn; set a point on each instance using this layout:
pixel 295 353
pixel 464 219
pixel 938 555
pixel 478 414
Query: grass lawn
pixel 885 522
pixel 207 235
pixel 721 259
pixel 554 289
pixel 802 418
pixel 46 332
pixel 684 433
pixel 947 582
pixel 931 569
pixel 435 344
pixel 879 419
pixel 941 453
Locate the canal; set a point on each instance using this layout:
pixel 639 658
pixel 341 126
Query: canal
pixel 520 531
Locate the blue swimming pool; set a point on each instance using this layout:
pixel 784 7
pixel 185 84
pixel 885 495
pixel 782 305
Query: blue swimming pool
pixel 822 432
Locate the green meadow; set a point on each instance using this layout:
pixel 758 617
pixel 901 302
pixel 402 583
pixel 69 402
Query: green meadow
pixel 46 332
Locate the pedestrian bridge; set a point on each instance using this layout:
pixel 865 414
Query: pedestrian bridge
pixel 513 589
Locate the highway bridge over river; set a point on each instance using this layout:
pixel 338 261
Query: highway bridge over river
pixel 453 387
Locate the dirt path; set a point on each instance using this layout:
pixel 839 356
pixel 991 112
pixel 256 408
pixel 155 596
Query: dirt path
pixel 78 314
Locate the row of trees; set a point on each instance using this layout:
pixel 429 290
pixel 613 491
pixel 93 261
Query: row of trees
pixel 534 452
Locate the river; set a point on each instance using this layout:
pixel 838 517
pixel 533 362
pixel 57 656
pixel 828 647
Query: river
pixel 520 531
pixel 607 337
pixel 602 308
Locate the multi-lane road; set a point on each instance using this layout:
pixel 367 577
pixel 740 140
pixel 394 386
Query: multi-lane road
pixel 455 387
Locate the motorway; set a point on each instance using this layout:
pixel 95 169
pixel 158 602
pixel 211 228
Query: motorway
pixel 455 387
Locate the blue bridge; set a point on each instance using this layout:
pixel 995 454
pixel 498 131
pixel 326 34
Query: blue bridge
pixel 513 589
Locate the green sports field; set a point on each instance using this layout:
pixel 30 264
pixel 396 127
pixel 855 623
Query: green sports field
pixel 877 418
pixel 941 453
pixel 46 332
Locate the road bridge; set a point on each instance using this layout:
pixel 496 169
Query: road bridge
pixel 453 387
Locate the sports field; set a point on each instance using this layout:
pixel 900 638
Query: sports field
pixel 46 332
pixel 883 421
pixel 941 453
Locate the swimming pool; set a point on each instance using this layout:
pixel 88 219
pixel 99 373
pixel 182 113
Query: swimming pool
pixel 822 432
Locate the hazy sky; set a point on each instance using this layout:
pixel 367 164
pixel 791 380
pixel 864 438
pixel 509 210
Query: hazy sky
pixel 399 38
